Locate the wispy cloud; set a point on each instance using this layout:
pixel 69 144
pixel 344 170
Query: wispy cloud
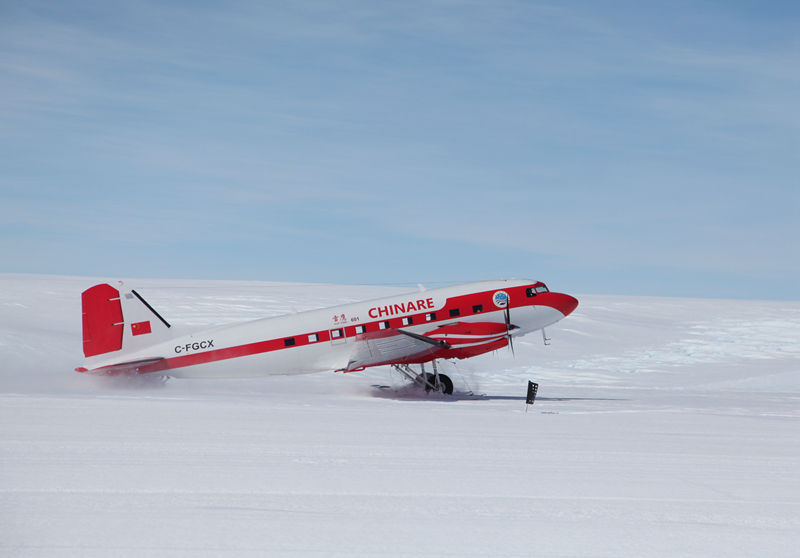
pixel 583 137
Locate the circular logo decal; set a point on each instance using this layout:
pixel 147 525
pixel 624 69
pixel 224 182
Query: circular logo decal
pixel 500 299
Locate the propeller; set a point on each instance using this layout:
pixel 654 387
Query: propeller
pixel 509 325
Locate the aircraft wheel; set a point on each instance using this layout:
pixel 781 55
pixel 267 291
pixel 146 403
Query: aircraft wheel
pixel 445 383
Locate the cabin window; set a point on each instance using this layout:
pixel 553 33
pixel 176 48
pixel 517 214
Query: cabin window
pixel 542 289
pixel 430 317
pixel 408 321
pixel 455 312
pixel 313 338
pixel 336 333
pixel 477 309
pixel 384 325
pixel 288 342
pixel 360 329
pixel 530 291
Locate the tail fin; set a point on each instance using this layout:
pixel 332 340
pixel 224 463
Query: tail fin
pixel 116 322
pixel 102 320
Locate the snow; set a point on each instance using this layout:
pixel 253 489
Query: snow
pixel 663 427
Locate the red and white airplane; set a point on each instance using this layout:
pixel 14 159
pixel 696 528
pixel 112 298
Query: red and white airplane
pixel 123 334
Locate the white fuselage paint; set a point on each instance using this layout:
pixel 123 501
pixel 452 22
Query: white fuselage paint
pixel 322 355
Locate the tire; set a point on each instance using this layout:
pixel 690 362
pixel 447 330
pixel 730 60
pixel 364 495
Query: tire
pixel 445 383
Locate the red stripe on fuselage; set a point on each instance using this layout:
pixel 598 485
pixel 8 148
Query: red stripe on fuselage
pixel 468 305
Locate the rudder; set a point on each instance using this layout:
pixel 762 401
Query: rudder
pixel 103 325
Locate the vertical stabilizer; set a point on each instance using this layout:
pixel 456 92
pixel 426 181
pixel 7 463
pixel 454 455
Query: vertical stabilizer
pixel 102 320
pixel 119 321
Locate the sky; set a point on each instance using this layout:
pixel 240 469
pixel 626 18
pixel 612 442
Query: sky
pixel 641 148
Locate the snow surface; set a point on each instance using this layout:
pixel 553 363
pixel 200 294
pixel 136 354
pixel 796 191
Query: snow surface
pixel 663 427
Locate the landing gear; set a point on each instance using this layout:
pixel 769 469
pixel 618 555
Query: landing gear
pixel 445 383
pixel 431 382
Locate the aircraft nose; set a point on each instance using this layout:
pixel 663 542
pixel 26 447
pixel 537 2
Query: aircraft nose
pixel 564 303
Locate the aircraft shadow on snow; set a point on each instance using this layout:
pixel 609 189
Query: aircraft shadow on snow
pixel 413 392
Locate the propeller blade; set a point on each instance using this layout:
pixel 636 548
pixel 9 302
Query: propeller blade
pixel 509 326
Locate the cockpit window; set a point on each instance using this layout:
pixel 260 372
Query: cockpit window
pixel 537 289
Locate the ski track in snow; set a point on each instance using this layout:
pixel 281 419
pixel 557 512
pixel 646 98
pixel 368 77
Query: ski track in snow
pixel 663 427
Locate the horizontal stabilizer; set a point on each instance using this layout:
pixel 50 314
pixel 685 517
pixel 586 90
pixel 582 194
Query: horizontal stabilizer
pixel 144 366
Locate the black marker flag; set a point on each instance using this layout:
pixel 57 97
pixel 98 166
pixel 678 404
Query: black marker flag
pixel 532 389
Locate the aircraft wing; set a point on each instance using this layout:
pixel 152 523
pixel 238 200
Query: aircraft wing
pixel 456 340
pixel 394 347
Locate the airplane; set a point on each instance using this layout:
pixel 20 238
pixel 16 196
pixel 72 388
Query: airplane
pixel 124 335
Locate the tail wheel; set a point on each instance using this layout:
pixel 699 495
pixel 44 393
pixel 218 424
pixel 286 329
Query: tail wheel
pixel 445 383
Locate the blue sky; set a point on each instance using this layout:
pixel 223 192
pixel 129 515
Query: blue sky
pixel 603 147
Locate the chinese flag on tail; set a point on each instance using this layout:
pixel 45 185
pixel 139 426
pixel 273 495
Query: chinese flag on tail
pixel 140 328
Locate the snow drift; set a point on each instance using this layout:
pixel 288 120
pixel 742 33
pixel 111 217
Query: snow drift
pixel 663 427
